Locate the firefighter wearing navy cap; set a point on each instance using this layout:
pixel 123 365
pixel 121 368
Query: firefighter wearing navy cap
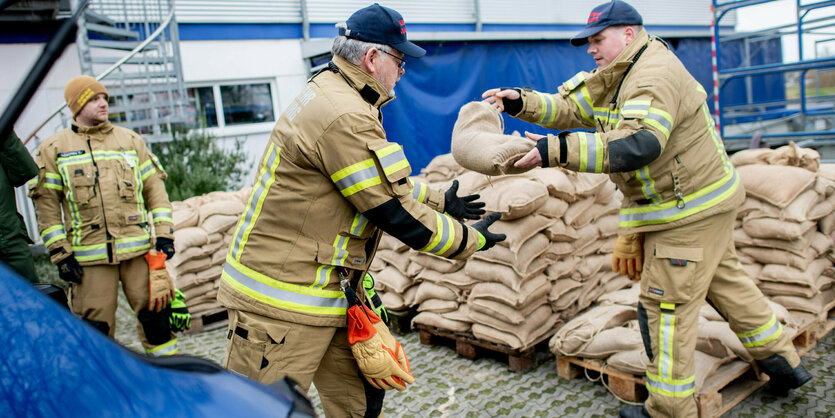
pixel 653 135
pixel 98 193
pixel 328 184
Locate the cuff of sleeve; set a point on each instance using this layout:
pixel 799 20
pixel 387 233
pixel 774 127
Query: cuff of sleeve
pixel 542 146
pixel 513 107
pixel 531 105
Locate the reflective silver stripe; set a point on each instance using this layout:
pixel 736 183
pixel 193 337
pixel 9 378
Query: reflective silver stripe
pixel 54 234
pixel 669 387
pixel 649 190
pixel 323 276
pixel 584 103
pixel 358 177
pixel 340 253
pixel 694 203
pixel 445 233
pixel 666 361
pixel 163 351
pixel 161 213
pixel 360 222
pixel 147 169
pixel 662 120
pixel 99 252
pixel 549 108
pixel 643 109
pixel 56 182
pixel 259 190
pixel 120 246
pixel 281 294
pixel 417 190
pixel 575 81
pixel 390 160
pixel 763 336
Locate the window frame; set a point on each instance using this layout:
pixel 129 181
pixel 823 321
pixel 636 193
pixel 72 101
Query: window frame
pixel 222 130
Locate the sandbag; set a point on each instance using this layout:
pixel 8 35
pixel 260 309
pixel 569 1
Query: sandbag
pixel 230 206
pixel 560 232
pixel 588 184
pixel 552 208
pixel 462 314
pixel 393 301
pixel 492 272
pixel 818 304
pixel 575 335
pixel 195 265
pixel 458 280
pixel 429 290
pixel 533 289
pixel 775 256
pixel 436 320
pixel 393 279
pixel 520 260
pixel 189 237
pixel 184 216
pixel 479 145
pixel 399 261
pixel 562 268
pixel 502 312
pixel 431 261
pixel 607 225
pixel 442 167
pixel 785 274
pixel 760 180
pixel 611 341
pixel 769 228
pixel 514 197
pixel 557 181
pixel 388 242
pixel 219 223
pixel 751 156
pixel 577 214
pixel 632 361
pixel 437 305
pixel 540 323
pixel 590 265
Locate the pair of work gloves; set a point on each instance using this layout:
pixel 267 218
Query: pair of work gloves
pixel 161 290
pixel 628 255
pixel 467 207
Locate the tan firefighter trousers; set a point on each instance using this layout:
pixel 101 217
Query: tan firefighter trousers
pixel 683 267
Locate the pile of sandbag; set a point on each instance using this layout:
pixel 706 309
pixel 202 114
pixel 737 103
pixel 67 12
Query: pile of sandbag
pixel 609 331
pixel 203 228
pixel 784 233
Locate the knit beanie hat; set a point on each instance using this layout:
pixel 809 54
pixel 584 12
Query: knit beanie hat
pixel 80 90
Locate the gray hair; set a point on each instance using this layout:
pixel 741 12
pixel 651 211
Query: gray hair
pixel 353 49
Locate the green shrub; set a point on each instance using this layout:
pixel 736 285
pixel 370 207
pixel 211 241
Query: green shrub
pixel 196 165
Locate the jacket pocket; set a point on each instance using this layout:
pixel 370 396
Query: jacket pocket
pixel 396 168
pixel 671 273
pixel 251 350
pixel 82 182
pixel 340 254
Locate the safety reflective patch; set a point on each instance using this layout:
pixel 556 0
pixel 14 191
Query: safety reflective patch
pixel 656 291
pixel 70 154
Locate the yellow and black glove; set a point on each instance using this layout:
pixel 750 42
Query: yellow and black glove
pixel 180 319
pixel 628 255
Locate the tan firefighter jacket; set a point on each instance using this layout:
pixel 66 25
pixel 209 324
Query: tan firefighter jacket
pixel 656 139
pixel 327 181
pixel 109 187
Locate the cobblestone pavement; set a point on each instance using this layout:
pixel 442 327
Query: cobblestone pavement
pixel 449 386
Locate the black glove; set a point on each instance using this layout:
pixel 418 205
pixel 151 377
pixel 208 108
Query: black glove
pixel 462 207
pixel 490 239
pixel 512 107
pixel 166 246
pixel 69 270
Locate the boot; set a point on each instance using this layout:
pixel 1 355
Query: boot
pixel 782 377
pixel 633 411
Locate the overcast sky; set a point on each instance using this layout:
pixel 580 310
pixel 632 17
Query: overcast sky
pixel 784 12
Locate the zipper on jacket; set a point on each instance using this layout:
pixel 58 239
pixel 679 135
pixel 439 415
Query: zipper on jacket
pixel 108 238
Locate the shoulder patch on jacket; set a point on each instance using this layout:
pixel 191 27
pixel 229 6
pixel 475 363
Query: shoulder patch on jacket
pixel 362 127
pixel 71 153
pixel 392 159
pixel 574 82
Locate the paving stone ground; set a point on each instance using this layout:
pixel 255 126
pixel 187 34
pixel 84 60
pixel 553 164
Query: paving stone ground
pixel 450 386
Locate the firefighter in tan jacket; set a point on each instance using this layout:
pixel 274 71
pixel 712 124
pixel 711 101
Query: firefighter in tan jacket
pixel 654 136
pixel 328 183
pixel 98 191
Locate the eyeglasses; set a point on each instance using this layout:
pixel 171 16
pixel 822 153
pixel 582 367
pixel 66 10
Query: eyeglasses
pixel 402 62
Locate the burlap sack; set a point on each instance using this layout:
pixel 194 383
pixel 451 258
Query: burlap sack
pixel 479 145
pixel 187 254
pixel 590 265
pixel 632 361
pixel 436 320
pixel 611 341
pixel 520 260
pixel 822 243
pixel 607 244
pixel 540 323
pixel 388 242
pixel 611 281
pixel 562 268
pixel 230 206
pixel 210 274
pixel 400 261
pixel 585 236
pixel 822 209
pixel 706 366
pixel 793 155
pixel 594 213
pixel 457 280
pixel 195 291
pixel 717 339
pixel 243 194
pixel 552 208
pixel 437 305
pixel 442 167
pixel 560 232
pixel 376 265
pixel 184 281
pixel 589 295
pixel 775 256
pixel 785 274
pixel 533 289
pixel 753 269
pixel 471 182
pixel 184 216
pixel 798 246
pixel 769 228
pixel 491 272
pixel 502 312
pixel 514 197
pixel 393 279
pixel 557 181
pixel 519 231
pixel 827 224
pixel 607 225
pixel 576 215
pixel 393 301
pixel 751 156
pixel 195 265
pixel 760 180
pixel 608 193
pixel 575 335
pixel 431 261
pixel 772 289
pixel 189 237
pixel 588 184
pixel 429 290
pixel 818 304
pixel 626 297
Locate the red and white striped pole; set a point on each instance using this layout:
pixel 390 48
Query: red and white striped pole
pixel 713 41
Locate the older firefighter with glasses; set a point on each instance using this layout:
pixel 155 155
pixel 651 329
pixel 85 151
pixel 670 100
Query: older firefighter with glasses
pixel 328 185
pixel 646 124
pixel 98 197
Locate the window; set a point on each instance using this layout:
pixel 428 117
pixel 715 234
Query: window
pixel 241 104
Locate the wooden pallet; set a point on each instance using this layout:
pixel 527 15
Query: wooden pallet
pixel 467 346
pixel 623 385
pixel 209 320
pixel 400 322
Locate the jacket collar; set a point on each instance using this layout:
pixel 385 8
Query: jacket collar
pixel 371 90
pixel 602 80
pixel 104 128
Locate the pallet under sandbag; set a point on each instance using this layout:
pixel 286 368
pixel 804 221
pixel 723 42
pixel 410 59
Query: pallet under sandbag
pixel 467 346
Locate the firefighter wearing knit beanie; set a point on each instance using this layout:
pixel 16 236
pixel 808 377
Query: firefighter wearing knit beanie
pixel 80 90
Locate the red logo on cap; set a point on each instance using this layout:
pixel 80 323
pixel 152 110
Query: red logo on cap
pixel 594 16
pixel 402 26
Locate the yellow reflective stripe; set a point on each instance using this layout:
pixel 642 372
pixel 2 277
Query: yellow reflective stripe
pixel 52 234
pixel 162 215
pixel 265 179
pixel 582 99
pixel 283 295
pixel 575 81
pixel 165 349
pixel 591 152
pixel 674 388
pixel 635 108
pixel 90 252
pixel 547 109
pixel 358 225
pixel 666 331
pixel 51 181
pixel 762 335
pixel 717 141
pixel 323 275
pixel 648 184
pixel 340 245
pixel 133 244
pixel 695 202
pixel 357 177
pixel 606 116
pixel 419 191
pixel 660 120
pixel 444 236
pixel 392 159
pixel 147 169
pixel 668 306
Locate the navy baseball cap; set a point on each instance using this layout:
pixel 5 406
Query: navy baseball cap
pixel 601 17
pixel 381 25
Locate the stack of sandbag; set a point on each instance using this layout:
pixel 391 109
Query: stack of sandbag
pixel 203 229
pixel 609 331
pixel 394 274
pixel 784 228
